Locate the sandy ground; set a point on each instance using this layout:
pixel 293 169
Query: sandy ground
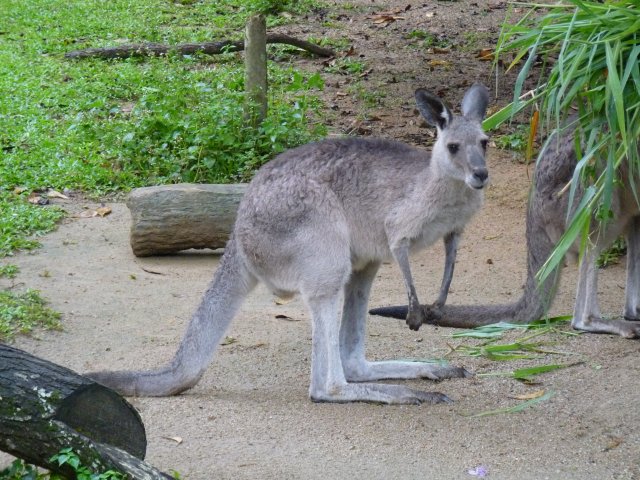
pixel 249 417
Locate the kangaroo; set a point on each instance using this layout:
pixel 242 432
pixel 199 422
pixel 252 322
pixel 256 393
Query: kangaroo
pixel 545 224
pixel 318 220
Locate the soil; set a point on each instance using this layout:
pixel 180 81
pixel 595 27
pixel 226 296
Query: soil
pixel 250 417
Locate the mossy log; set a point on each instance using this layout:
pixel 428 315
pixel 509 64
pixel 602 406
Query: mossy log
pixel 169 218
pixel 45 408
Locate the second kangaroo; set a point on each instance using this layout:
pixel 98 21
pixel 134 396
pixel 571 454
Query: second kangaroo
pixel 318 220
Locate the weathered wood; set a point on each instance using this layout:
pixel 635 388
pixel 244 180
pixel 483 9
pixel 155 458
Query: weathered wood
pixel 209 48
pixel 45 407
pixel 169 218
pixel 255 70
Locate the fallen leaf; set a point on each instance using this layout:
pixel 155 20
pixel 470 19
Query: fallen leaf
pixel 19 190
pixel 439 63
pixel 228 341
pixel 485 54
pixel 529 396
pixel 35 199
pixel 384 19
pixel 437 50
pixel 614 442
pixel 283 301
pixel 87 214
pixel 178 440
pixel 491 237
pixel 103 211
pixel 286 317
pixel 151 271
pixel 56 194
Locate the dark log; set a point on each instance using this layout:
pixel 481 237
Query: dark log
pixel 209 48
pixel 45 408
pixel 169 218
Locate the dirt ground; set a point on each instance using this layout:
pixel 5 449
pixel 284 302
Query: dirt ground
pixel 249 417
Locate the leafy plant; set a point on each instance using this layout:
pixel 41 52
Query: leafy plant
pixel 516 140
pixel 593 50
pixel 19 470
pixel 516 408
pixel 67 456
pixel 21 312
pixel 612 254
pixel 20 222
pixel 347 66
pixel 9 271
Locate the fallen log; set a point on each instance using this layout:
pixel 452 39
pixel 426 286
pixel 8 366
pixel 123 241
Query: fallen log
pixel 209 48
pixel 169 218
pixel 45 408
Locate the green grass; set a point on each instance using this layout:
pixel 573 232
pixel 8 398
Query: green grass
pixel 102 126
pixel 20 222
pixel 21 312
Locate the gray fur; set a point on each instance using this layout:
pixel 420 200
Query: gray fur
pixel 318 220
pixel 545 225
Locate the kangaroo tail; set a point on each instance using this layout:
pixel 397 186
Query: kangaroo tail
pixel 222 299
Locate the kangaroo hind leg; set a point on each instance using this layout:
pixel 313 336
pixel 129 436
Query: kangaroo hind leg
pixel 587 314
pixel 632 291
pixel 352 340
pixel 327 271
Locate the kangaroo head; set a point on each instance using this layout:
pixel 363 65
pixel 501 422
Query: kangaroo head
pixel 461 144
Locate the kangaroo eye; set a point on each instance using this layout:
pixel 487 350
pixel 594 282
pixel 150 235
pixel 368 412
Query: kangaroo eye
pixel 483 143
pixel 453 148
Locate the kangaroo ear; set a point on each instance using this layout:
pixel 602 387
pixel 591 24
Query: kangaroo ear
pixel 475 102
pixel 433 109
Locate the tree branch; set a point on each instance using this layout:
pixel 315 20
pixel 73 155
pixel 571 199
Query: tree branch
pixel 209 48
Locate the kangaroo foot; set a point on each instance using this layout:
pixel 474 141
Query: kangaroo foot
pixel 624 328
pixel 378 393
pixel 416 316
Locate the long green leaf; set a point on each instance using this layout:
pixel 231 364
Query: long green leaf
pixel 516 408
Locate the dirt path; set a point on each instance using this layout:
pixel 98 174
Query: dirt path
pixel 250 418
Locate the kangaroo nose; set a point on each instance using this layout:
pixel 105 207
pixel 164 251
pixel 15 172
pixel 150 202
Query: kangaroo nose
pixel 481 174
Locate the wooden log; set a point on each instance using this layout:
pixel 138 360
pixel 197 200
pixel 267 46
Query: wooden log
pixel 45 408
pixel 169 218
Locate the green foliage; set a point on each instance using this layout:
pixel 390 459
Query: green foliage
pixel 23 471
pixel 347 66
pixel 9 271
pixel 102 125
pixel 67 456
pixel 21 312
pixel 595 49
pixel 18 470
pixel 612 254
pixel 20 222
pixel 516 140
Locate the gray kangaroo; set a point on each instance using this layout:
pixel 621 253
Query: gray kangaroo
pixel 318 220
pixel 545 225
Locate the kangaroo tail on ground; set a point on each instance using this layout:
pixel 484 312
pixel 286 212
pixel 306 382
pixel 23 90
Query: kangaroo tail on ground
pixel 231 283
